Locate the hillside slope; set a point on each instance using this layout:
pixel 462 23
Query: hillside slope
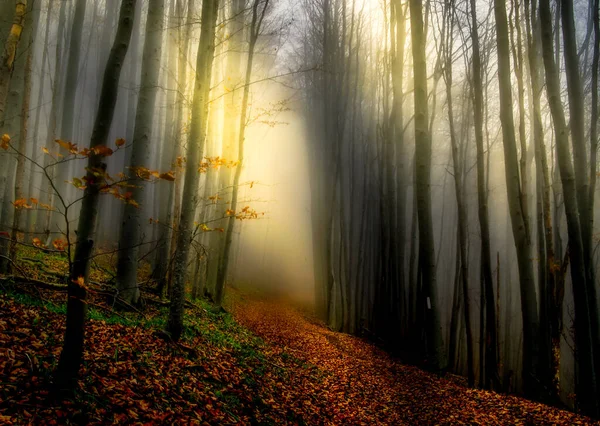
pixel 264 364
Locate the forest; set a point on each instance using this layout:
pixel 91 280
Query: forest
pixel 299 212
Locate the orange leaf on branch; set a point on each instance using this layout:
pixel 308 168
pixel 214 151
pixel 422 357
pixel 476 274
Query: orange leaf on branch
pixel 59 244
pixel 120 142
pixel 21 203
pixel 38 243
pixel 69 146
pixel 4 141
pixel 170 176
pixel 102 150
pixel 78 183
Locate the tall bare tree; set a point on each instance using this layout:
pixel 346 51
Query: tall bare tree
pixel 72 352
pixel 131 227
pixel 198 127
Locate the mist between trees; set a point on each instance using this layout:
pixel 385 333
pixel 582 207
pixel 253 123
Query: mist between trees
pixel 422 172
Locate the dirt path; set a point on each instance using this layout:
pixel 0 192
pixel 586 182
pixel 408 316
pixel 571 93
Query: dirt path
pixel 357 383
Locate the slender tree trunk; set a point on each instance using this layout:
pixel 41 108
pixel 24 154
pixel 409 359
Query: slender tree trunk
pixel 586 382
pixel 131 227
pixel 549 308
pixel 198 126
pixel 67 122
pixel 482 202
pixel 12 127
pixel 255 27
pixel 29 35
pixel 72 353
pixel 460 200
pixel 53 123
pixel 529 309
pixel 232 100
pixel 34 216
pixel 578 140
pixel 435 344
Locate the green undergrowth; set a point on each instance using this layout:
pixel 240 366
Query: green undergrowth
pixel 203 322
pixel 217 341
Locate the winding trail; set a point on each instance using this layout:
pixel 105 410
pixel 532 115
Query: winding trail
pixel 346 380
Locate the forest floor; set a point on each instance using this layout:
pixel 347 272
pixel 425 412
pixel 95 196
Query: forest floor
pixel 266 362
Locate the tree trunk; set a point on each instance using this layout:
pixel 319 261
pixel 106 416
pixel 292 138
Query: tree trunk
pixel 529 309
pixel 435 344
pixel 460 200
pixel 255 27
pixel 12 126
pixel 72 353
pixel 586 382
pixel 131 227
pixel 482 202
pixel 198 126
pixel 9 54
pixel 232 101
pixel 66 129
pixel 31 24
pixel 34 216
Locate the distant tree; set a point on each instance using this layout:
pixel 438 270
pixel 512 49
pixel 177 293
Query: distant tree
pixel 33 216
pixel 72 73
pixel 233 81
pixel 259 11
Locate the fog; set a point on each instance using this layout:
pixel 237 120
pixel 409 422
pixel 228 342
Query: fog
pixel 405 195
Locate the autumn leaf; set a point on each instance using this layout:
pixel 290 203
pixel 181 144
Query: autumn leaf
pixel 59 244
pixel 71 147
pixel 45 150
pixel 21 203
pixel 120 142
pixel 78 183
pixel 170 176
pixel 4 141
pixel 38 243
pixel 33 200
pixel 141 172
pixel 102 150
pixel 80 281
